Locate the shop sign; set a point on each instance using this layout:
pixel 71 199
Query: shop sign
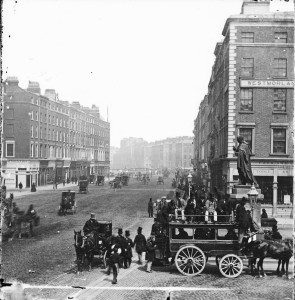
pixel 267 83
pixel 67 163
pixel 59 164
pixel 43 164
pixel 285 172
pixel 263 172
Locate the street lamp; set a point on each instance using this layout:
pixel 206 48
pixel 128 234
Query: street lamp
pixel 252 195
pixel 189 179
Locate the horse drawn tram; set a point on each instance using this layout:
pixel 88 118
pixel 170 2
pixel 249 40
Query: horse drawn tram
pixel 190 244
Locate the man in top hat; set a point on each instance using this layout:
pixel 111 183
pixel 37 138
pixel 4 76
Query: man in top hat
pixel 91 225
pixel 128 250
pixel 275 233
pixel 121 242
pixel 140 244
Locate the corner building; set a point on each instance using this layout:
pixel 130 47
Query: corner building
pixel 251 93
pixel 46 139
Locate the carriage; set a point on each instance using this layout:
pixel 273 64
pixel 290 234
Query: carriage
pixel 83 186
pixel 95 244
pixel 190 244
pixel 92 178
pixel 160 180
pixel 67 203
pixel 100 180
pixel 19 223
pixel 125 179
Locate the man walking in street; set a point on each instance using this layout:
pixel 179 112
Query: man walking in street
pixel 140 244
pixel 114 264
pixel 128 250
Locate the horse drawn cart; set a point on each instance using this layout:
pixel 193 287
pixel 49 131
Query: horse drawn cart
pixel 97 243
pixel 83 186
pixel 160 180
pixel 190 244
pixel 100 180
pixel 68 203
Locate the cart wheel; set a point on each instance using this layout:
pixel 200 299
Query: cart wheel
pixel 230 266
pixel 190 260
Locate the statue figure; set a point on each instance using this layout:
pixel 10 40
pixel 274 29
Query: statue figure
pixel 243 152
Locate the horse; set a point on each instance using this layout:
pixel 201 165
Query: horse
pixel 65 204
pixel 280 250
pixel 80 250
pixel 95 244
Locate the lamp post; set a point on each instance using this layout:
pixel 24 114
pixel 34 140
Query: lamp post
pixel 189 179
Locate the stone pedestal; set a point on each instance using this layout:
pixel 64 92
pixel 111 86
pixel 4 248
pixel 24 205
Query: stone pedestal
pixel 240 191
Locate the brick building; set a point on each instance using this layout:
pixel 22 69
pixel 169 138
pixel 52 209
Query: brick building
pixel 251 93
pixel 46 139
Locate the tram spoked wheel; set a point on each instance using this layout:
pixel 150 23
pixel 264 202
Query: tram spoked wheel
pixel 190 260
pixel 231 266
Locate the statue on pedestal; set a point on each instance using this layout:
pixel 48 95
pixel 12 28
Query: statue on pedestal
pixel 243 152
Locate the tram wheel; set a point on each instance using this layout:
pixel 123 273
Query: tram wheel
pixel 231 266
pixel 190 260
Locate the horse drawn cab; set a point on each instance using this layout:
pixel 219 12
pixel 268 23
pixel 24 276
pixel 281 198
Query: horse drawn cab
pixel 125 179
pixel 68 202
pixel 100 180
pixel 160 180
pixel 83 186
pixel 92 178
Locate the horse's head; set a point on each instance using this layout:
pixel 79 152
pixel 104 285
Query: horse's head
pixel 78 238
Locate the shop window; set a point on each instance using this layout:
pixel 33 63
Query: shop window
pixel 279 141
pixel 280 67
pixel 280 96
pixel 248 37
pixel 247 68
pixel 246 99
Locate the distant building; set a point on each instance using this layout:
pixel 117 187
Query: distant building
pixel 172 153
pixel 251 93
pixel 46 139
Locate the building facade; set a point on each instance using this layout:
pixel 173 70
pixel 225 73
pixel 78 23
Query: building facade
pixel 251 93
pixel 171 153
pixel 46 139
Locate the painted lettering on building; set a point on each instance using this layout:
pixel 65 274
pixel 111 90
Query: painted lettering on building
pixel 267 83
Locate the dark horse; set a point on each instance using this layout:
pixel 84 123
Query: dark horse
pixel 80 250
pixel 95 244
pixel 66 203
pixel 280 250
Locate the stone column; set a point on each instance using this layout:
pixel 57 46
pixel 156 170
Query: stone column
pixel 275 198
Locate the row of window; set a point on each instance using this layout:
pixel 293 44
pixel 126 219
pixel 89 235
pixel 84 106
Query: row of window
pixel 279 37
pixel 278 139
pixel 45 151
pixel 279 67
pixel 279 99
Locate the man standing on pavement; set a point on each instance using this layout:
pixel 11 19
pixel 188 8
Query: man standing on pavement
pixel 128 250
pixel 150 254
pixel 151 208
pixel 140 244
pixel 20 186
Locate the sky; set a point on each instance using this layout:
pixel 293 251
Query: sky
pixel 145 63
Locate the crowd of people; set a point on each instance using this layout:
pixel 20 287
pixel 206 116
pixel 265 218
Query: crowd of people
pixel 121 247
